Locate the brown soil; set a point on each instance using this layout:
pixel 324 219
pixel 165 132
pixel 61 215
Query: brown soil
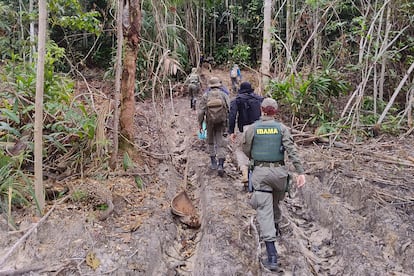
pixel 355 216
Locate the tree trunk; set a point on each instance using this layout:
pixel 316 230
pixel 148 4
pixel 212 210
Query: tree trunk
pixel 384 58
pixel 32 33
pixel 118 74
pixel 267 47
pixel 231 21
pixel 203 27
pixel 316 39
pixel 191 43
pixel 132 37
pixel 288 27
pixel 38 125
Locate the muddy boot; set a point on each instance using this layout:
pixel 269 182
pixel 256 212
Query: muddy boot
pixel 271 261
pixel 213 164
pixel 220 168
pixel 245 175
pixel 191 103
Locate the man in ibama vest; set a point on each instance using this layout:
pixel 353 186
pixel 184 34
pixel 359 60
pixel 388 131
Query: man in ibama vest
pixel 265 143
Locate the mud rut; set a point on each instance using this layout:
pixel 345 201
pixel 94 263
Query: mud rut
pixel 335 225
pixel 355 216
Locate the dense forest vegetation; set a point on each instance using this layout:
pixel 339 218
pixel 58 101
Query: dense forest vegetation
pixel 341 67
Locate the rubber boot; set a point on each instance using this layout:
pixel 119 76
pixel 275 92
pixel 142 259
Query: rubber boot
pixel 245 174
pixel 191 104
pixel 220 168
pixel 271 262
pixel 194 104
pixel 213 165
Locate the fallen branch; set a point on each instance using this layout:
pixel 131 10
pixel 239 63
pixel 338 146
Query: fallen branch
pixel 318 138
pixel 23 238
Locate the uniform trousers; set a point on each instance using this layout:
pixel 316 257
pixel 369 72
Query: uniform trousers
pixel 217 144
pixel 272 179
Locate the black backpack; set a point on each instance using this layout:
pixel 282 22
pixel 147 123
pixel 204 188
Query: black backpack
pixel 249 108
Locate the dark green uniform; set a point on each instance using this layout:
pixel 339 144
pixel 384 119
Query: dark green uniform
pixel 266 141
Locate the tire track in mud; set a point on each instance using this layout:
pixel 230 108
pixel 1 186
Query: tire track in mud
pixel 326 229
pixel 227 242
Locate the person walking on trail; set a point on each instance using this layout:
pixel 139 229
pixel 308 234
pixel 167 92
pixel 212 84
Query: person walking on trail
pixel 214 110
pixel 265 143
pixel 245 109
pixel 222 88
pixel 193 81
pixel 235 76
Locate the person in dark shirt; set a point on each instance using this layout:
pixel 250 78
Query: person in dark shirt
pixel 245 109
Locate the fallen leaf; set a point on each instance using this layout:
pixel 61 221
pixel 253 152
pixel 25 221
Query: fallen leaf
pixel 92 260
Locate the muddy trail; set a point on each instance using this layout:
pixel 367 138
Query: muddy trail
pixel 355 215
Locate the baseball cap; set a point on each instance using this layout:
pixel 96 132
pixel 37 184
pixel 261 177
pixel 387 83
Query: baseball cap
pixel 269 102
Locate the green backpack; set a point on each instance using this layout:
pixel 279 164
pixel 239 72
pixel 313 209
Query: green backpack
pixel 217 110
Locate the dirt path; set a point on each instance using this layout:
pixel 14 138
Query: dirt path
pixel 355 216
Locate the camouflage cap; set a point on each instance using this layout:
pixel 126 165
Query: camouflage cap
pixel 214 82
pixel 269 102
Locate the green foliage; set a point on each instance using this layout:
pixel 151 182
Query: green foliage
pixel 79 195
pixel 84 22
pixel 310 99
pixel 240 54
pixel 139 182
pixel 127 162
pixel 13 183
pixel 102 207
pixel 68 124
pixel 221 56
pixel 369 118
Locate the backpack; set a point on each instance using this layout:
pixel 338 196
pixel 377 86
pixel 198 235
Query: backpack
pixel 233 73
pixel 216 107
pixel 249 108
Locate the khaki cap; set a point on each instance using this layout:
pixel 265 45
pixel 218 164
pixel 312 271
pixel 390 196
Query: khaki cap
pixel 269 102
pixel 214 82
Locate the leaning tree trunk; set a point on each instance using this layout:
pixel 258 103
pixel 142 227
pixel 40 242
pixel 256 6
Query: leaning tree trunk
pixel 132 38
pixel 38 125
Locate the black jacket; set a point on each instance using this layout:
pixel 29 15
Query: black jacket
pixel 245 108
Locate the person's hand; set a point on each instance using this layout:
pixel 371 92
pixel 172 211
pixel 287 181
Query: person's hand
pixel 201 129
pixel 300 180
pixel 233 137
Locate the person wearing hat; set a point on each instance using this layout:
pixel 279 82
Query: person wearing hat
pixel 245 109
pixel 216 128
pixel 265 143
pixel 193 81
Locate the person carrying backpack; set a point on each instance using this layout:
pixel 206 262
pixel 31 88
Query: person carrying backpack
pixel 214 110
pixel 265 143
pixel 193 81
pixel 235 77
pixel 245 109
